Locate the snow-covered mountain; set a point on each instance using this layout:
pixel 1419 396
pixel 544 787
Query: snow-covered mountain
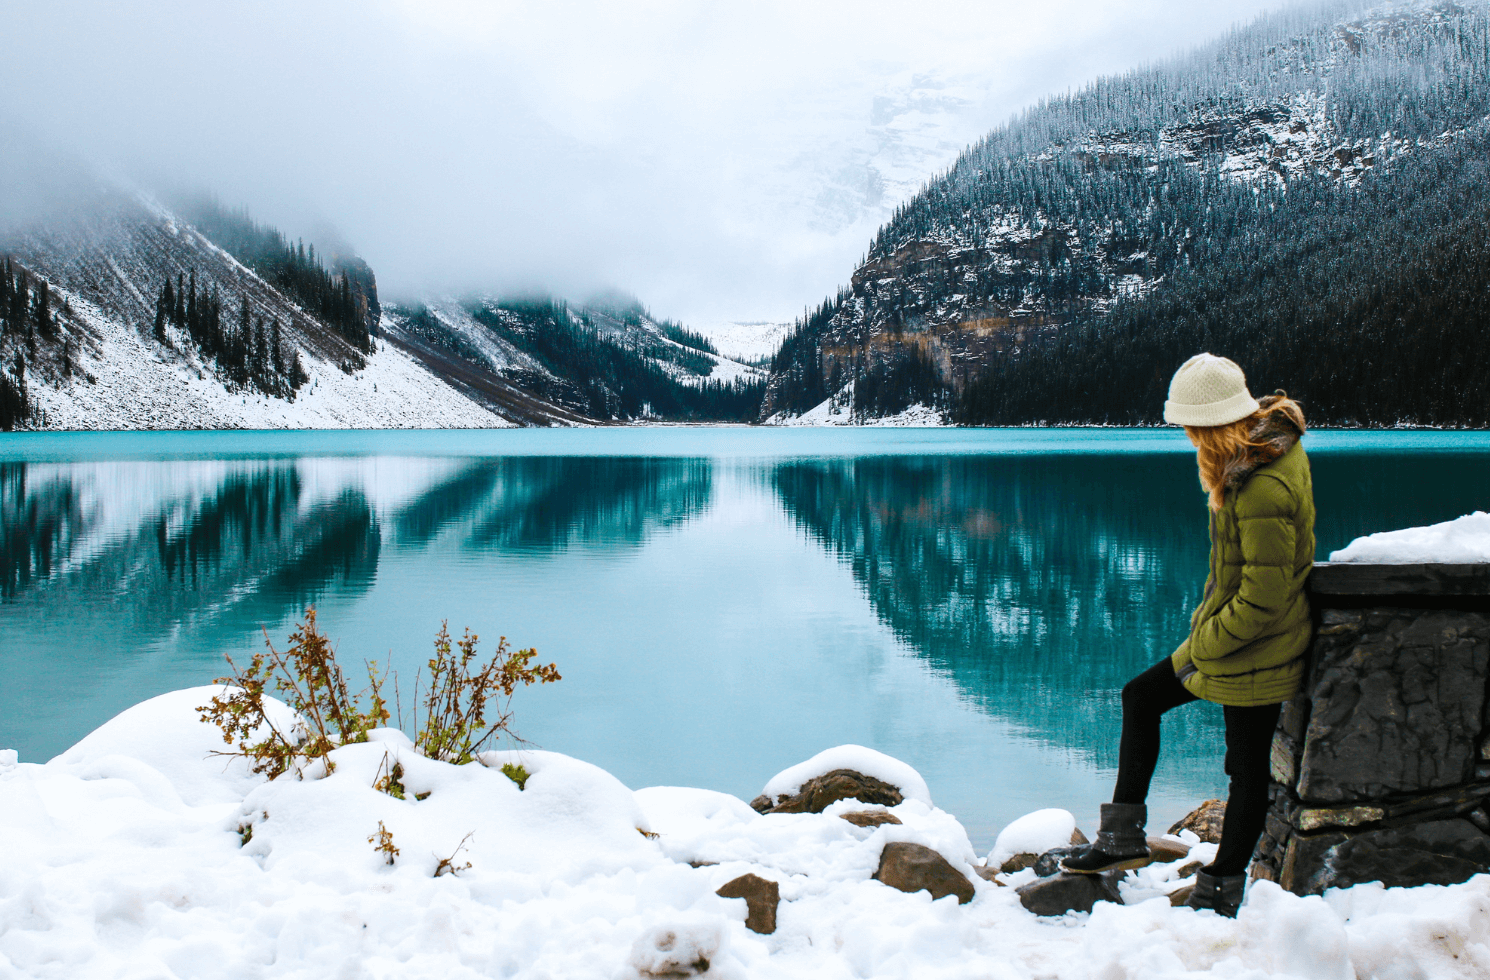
pixel 1337 127
pixel 607 358
pixel 108 356
pixel 125 315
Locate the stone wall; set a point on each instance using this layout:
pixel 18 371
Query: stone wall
pixel 1381 767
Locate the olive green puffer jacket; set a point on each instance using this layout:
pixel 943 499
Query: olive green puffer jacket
pixel 1248 638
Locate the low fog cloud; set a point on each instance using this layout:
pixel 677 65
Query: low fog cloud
pixel 721 161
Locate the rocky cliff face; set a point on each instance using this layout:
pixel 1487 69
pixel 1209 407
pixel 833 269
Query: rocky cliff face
pixel 1112 194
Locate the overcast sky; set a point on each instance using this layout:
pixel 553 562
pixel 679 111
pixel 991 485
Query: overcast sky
pixel 722 161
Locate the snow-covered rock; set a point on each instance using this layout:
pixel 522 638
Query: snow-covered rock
pixel 1464 540
pixel 858 758
pixel 1033 833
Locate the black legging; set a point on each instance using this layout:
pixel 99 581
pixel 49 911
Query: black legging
pixel 1249 741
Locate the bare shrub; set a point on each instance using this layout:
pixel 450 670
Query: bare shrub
pixel 467 703
pixel 307 674
pixel 447 866
pixel 382 842
pixel 462 689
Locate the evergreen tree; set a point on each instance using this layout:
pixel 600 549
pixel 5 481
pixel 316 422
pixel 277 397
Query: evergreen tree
pixel 165 303
pixel 44 309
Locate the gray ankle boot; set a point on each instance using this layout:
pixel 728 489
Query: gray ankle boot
pixel 1223 894
pixel 1120 843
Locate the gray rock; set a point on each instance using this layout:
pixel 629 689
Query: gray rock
pixel 914 867
pixel 820 792
pixel 1440 852
pixel 1396 709
pixel 761 895
pixel 1049 863
pixel 1067 892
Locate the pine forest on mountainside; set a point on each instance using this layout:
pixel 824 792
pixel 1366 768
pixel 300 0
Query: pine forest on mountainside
pixel 1307 196
pixel 343 297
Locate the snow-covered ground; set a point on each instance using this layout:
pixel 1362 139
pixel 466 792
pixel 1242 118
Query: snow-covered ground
pixel 135 388
pixel 1463 540
pixel 741 340
pixel 137 854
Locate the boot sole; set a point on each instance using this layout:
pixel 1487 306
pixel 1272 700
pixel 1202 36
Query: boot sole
pixel 1128 864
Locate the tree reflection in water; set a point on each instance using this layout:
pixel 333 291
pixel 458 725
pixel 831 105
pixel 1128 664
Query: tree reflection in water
pixel 1040 585
pixel 99 617
pixel 547 503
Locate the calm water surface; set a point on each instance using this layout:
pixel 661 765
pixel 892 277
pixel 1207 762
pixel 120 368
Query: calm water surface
pixel 722 602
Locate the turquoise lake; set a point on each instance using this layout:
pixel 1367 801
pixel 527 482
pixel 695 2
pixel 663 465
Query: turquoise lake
pixel 722 602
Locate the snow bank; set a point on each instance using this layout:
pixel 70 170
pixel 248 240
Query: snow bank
pixel 1465 540
pixel 855 757
pixel 1033 833
pixel 136 854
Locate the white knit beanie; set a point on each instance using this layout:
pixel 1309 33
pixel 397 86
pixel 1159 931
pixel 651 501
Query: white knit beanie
pixel 1208 390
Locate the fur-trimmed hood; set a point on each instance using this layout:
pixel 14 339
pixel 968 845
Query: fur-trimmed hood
pixel 1273 436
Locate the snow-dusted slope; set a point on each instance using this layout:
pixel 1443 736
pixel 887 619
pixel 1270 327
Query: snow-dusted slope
pixel 750 341
pixel 129 383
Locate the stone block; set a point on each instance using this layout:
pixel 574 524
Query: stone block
pixel 1067 892
pixel 1430 806
pixel 1399 711
pixel 1283 763
pixel 1308 819
pixel 1440 852
pixel 1337 621
pixel 1293 721
pixel 915 867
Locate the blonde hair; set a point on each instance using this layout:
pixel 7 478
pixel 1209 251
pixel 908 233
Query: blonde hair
pixel 1219 448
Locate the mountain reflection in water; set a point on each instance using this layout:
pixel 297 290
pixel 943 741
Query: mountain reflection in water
pixel 1040 585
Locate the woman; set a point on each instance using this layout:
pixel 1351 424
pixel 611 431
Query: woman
pixel 1248 638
